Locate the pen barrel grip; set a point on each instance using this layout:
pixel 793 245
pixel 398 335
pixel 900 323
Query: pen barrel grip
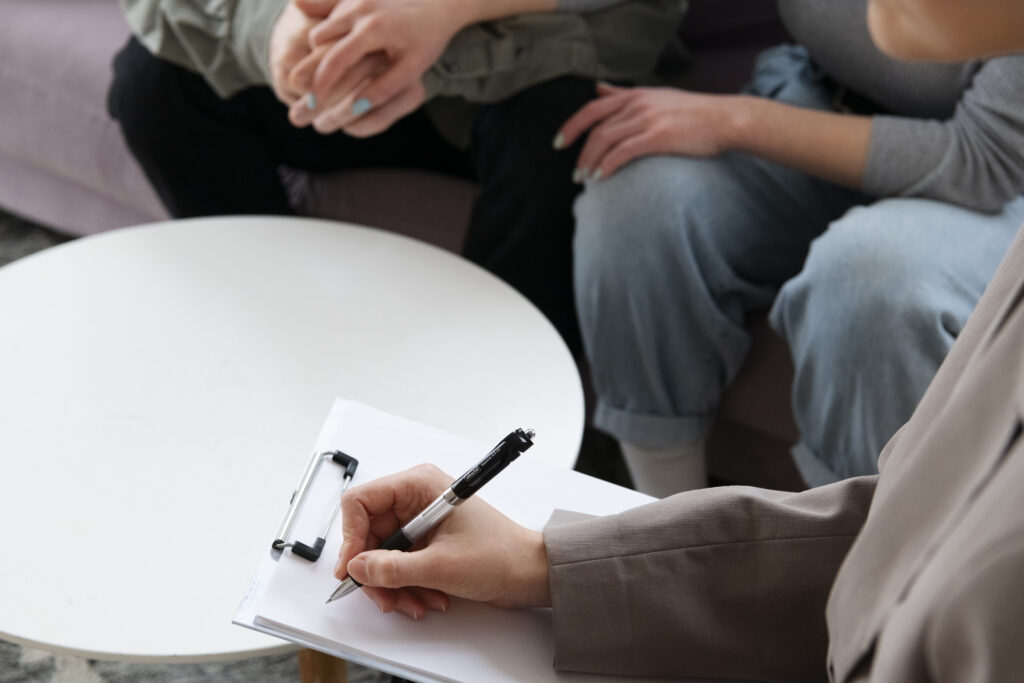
pixel 396 541
pixel 507 450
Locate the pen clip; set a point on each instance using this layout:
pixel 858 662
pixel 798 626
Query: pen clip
pixel 507 450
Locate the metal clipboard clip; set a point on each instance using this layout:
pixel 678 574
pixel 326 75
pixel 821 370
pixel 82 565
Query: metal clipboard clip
pixel 312 552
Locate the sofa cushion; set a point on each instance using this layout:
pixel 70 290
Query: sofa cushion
pixel 54 70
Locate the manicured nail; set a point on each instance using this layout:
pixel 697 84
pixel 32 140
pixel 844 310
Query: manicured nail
pixel 577 175
pixel 361 106
pixel 559 141
pixel 310 101
pixel 597 175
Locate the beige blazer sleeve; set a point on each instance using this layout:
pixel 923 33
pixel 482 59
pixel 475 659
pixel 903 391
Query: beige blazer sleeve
pixel 726 582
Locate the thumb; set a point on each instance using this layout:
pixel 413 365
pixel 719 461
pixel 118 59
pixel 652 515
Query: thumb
pixel 390 569
pixel 315 9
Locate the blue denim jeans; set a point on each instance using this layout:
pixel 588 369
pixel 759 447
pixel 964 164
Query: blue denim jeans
pixel 671 254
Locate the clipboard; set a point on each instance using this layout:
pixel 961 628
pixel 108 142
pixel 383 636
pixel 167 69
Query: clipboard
pixel 471 641
pixel 284 539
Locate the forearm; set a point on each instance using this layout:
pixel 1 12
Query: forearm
pixel 729 582
pixel 828 145
pixel 476 11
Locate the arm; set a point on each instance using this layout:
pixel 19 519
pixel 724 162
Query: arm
pixel 974 159
pixel 626 123
pixel 731 581
pixel 727 582
pixel 370 56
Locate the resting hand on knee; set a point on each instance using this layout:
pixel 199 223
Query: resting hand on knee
pixel 627 123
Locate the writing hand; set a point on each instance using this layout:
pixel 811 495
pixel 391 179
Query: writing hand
pixel 627 123
pixel 476 553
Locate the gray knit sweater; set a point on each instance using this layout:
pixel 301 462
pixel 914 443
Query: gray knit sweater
pixel 953 132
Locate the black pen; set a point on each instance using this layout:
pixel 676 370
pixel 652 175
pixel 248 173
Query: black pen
pixel 462 488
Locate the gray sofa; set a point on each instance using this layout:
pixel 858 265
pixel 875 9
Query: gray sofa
pixel 63 164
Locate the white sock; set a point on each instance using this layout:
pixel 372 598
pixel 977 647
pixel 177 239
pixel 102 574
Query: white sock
pixel 663 471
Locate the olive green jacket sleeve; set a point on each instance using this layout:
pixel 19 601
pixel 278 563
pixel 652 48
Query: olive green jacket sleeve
pixel 226 41
pixel 491 61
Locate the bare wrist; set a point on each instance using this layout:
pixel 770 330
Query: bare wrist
pixel 536 587
pixel 740 125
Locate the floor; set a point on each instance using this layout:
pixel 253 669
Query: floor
pixel 599 457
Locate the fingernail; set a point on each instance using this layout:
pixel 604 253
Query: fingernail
pixel 577 175
pixel 338 567
pixel 597 175
pixel 310 101
pixel 559 141
pixel 361 106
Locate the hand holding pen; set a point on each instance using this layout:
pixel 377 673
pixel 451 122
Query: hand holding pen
pixel 476 553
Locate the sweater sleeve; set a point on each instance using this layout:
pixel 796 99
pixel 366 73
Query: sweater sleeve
pixel 227 42
pixel 974 159
pixel 726 582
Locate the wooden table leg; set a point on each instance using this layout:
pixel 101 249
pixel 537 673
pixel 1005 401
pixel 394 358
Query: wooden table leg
pixel 316 667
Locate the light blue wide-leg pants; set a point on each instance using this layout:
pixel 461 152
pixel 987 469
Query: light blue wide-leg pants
pixel 671 254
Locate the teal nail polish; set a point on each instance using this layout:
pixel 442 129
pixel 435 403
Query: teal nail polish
pixel 310 101
pixel 559 141
pixel 361 106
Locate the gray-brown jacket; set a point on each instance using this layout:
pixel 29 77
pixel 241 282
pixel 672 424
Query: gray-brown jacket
pixel 913 575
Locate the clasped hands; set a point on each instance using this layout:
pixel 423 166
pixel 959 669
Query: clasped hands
pixel 357 65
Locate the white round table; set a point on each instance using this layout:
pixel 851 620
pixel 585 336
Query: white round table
pixel 161 388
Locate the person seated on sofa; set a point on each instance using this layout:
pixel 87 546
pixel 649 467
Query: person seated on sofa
pixel 911 575
pixel 865 200
pixel 203 88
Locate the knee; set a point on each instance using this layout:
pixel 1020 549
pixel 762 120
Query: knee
pixel 143 91
pixel 637 223
pixel 863 282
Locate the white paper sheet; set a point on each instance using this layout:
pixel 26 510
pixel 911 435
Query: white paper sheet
pixel 470 642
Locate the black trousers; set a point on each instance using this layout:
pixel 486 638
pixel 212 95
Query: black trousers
pixel 210 156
